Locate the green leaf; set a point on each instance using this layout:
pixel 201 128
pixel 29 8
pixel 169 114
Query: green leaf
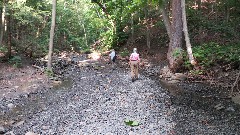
pixel 131 123
pixel 135 123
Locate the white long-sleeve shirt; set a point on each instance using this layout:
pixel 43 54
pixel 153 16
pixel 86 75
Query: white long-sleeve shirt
pixel 112 54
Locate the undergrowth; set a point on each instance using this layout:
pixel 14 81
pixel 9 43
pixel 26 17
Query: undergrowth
pixel 212 54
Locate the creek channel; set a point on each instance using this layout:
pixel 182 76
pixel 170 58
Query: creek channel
pixel 183 96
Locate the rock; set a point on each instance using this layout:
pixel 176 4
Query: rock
pixel 236 99
pixel 2 130
pixel 19 123
pixel 179 76
pixel 45 127
pixel 31 133
pixel 132 133
pixel 164 70
pixel 109 133
pixel 173 81
pixel 9 133
pixel 219 106
pixel 230 109
pixel 168 75
pixel 57 82
pixel 11 106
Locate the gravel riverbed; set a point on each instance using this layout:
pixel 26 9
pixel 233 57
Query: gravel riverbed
pixel 97 99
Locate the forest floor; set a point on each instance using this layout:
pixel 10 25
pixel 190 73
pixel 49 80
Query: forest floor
pixel 92 97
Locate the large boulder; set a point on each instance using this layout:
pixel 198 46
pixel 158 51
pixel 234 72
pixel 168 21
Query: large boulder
pixel 179 76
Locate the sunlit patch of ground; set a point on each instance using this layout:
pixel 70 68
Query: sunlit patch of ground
pixel 95 55
pixel 16 81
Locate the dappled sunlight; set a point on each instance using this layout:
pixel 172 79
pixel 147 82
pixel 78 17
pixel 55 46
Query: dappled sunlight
pixel 95 55
pixel 2 54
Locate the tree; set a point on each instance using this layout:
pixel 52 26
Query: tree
pixel 147 25
pixel 175 46
pixel 166 20
pixel 2 22
pixel 185 30
pixel 50 51
pixel 9 31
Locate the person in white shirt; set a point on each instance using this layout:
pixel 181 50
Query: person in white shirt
pixel 112 56
pixel 134 61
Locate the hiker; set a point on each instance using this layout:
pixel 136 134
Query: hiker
pixel 112 56
pixel 134 61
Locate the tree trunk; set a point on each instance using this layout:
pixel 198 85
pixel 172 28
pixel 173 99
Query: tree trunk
pixel 50 51
pixel 185 30
pixel 132 27
pixel 199 4
pixel 175 46
pixel 104 9
pixel 227 12
pixel 166 19
pixel 3 10
pixel 85 34
pixel 147 26
pixel 9 42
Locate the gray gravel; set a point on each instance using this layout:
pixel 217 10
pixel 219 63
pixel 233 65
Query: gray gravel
pixel 96 100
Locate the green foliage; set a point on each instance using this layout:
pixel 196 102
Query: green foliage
pixel 16 61
pixel 212 53
pixel 49 73
pixel 214 26
pixel 131 123
pixel 3 49
pixel 124 53
pixel 177 53
pixel 86 50
pixel 197 72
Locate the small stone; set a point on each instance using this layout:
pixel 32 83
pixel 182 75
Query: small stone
pixel 132 133
pixel 45 127
pixel 9 133
pixel 11 106
pixel 19 123
pixel 173 81
pixel 31 133
pixel 219 106
pixel 2 130
pixel 180 76
pixel 236 99
pixel 109 133
pixel 231 109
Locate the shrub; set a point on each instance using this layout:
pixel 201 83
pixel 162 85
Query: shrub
pixel 16 61
pixel 210 54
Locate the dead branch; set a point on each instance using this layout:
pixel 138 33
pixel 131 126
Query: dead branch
pixel 42 69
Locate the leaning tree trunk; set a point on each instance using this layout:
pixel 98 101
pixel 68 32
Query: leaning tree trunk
pixel 175 46
pixel 49 66
pixel 185 30
pixel 166 19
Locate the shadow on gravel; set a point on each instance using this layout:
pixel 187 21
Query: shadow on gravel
pixel 29 105
pixel 202 110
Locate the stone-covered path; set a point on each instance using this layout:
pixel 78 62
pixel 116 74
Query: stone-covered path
pixel 96 99
pixel 98 102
